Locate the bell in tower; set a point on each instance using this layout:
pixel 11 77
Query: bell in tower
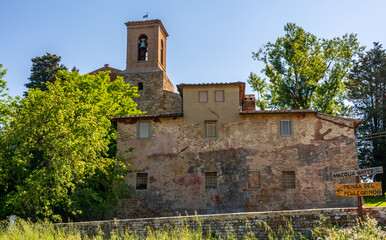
pixel 142 48
pixel 146 67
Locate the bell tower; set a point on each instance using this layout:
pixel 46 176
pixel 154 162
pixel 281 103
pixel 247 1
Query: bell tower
pixel 146 46
pixel 146 67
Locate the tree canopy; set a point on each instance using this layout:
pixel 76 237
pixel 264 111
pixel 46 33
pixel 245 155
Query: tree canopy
pixel 366 87
pixel 55 152
pixel 305 72
pixel 44 70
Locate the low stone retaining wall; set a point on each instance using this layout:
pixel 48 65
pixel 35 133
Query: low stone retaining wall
pixel 303 221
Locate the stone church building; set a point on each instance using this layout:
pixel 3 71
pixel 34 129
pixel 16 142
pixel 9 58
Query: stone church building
pixel 207 149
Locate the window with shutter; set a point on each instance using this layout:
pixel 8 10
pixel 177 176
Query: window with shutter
pixel 210 129
pixel 210 180
pixel 144 130
pixel 288 179
pixel 141 181
pixel 286 127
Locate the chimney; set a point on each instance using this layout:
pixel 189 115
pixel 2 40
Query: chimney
pixel 249 102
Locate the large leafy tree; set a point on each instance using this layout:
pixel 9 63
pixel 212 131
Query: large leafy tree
pixel 44 70
pixel 305 72
pixel 366 87
pixel 55 153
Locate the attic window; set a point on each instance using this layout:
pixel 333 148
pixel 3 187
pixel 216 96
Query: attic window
pixel 219 96
pixel 203 96
pixel 140 86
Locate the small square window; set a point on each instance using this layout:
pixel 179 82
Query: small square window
pixel 144 130
pixel 285 127
pixel 210 180
pixel 141 181
pixel 203 96
pixel 219 96
pixel 253 179
pixel 288 179
pixel 210 129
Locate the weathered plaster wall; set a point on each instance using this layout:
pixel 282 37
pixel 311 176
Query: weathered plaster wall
pixel 177 157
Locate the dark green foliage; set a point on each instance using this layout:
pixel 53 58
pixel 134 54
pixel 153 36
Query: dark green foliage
pixel 367 85
pixel 305 72
pixel 44 69
pixel 58 150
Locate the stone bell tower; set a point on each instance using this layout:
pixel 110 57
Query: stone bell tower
pixel 146 67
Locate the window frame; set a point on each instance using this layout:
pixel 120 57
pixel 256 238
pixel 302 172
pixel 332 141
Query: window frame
pixel 209 182
pixel 286 180
pixel 139 130
pixel 207 96
pixel 215 95
pixel 290 124
pixel 215 128
pixel 139 181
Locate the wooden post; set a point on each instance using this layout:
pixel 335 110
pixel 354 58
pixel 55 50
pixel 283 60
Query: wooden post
pixel 360 202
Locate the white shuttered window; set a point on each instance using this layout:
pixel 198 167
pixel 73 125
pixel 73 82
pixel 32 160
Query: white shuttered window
pixel 144 130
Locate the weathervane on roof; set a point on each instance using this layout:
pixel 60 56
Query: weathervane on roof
pixel 146 16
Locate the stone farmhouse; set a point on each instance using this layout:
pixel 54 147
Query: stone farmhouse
pixel 206 149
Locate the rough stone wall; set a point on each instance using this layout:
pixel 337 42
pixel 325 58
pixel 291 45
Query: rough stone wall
pixel 153 98
pixel 303 221
pixel 177 157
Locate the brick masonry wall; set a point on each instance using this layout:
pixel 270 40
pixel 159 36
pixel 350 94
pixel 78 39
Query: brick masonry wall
pixel 303 221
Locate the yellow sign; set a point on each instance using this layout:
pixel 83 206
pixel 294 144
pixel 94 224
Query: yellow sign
pixel 359 189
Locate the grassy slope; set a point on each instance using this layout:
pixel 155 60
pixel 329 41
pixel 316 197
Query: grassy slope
pixel 374 201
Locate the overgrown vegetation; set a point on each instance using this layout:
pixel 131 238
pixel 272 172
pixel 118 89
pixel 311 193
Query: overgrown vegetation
pixel 181 231
pixel 57 148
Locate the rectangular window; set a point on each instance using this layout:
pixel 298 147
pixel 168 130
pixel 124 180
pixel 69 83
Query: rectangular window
pixel 253 179
pixel 285 127
pixel 210 130
pixel 144 130
pixel 203 96
pixel 219 96
pixel 141 181
pixel 288 178
pixel 210 180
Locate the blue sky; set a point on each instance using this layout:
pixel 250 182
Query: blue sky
pixel 210 41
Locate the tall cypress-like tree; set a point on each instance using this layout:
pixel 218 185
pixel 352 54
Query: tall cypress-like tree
pixel 366 87
pixel 44 69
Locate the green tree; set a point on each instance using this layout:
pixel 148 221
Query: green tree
pixel 7 103
pixel 367 85
pixel 305 72
pixel 44 70
pixel 55 152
